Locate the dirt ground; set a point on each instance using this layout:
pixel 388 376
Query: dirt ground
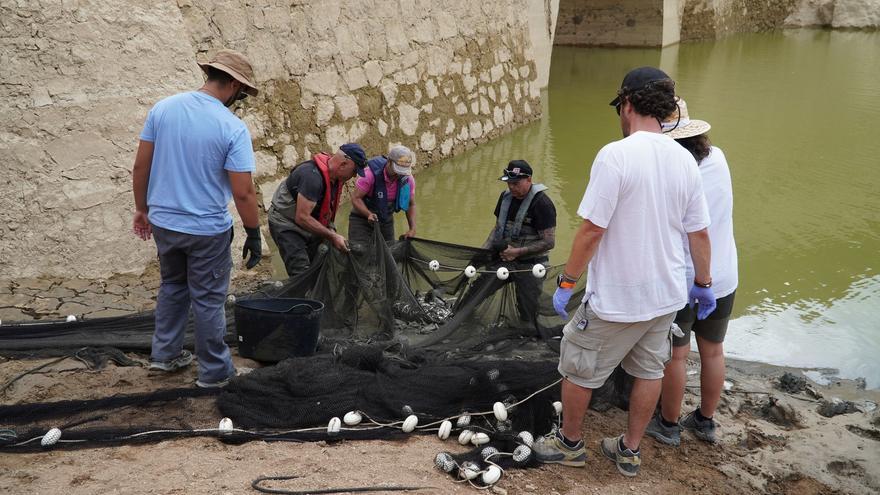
pixel 805 454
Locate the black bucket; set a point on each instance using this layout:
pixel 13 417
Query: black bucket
pixel 274 329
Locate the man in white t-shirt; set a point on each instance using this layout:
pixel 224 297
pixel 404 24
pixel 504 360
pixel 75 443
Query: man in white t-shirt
pixel 644 195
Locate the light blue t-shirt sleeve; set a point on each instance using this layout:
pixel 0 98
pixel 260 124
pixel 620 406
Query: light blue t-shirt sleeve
pixel 240 157
pixel 148 133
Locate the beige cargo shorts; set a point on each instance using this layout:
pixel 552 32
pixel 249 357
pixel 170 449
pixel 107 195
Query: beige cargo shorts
pixel 591 348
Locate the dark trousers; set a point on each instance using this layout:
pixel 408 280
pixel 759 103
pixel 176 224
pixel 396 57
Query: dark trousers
pixel 297 250
pixel 195 275
pixel 360 230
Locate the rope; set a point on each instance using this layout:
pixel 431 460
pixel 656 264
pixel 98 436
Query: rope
pixel 387 488
pixel 447 268
pixel 486 413
pixel 11 435
pixel 38 368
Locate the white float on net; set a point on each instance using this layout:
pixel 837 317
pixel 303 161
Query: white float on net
pixel 445 430
pixel 539 270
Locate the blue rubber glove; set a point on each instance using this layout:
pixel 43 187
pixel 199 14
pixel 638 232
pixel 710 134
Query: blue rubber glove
pixel 704 298
pixel 560 301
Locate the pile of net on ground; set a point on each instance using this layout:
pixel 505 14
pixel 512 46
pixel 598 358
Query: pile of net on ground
pixel 405 333
pixel 297 398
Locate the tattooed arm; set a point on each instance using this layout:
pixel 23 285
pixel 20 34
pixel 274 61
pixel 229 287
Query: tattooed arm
pixel 546 243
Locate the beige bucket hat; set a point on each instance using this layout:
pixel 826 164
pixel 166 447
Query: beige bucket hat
pixel 236 65
pixel 680 125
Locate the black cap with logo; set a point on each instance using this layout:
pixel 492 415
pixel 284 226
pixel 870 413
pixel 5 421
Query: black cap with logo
pixel 516 170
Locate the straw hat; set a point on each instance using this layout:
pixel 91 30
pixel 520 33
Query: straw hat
pixel 236 65
pixel 679 125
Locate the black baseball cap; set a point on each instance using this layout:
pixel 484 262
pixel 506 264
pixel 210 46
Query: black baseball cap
pixel 516 170
pixel 637 79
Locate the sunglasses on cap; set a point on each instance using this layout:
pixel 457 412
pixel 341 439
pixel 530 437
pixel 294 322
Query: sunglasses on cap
pixel 512 175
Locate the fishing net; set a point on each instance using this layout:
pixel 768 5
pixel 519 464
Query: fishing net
pixel 417 290
pixel 413 336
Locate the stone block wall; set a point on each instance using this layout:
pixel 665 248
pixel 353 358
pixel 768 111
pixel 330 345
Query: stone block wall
pixel 655 23
pixel 610 22
pixel 79 76
pixel 710 19
pixel 843 14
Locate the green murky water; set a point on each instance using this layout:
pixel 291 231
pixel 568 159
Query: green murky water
pixel 796 113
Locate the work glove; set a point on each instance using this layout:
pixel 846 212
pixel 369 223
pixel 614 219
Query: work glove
pixel 704 298
pixel 560 301
pixel 253 245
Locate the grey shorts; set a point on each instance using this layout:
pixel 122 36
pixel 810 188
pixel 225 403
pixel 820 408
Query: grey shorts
pixel 591 348
pixel 713 328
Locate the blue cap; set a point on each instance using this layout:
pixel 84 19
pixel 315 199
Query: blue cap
pixel 355 153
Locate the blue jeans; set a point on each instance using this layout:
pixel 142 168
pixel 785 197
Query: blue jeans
pixel 195 275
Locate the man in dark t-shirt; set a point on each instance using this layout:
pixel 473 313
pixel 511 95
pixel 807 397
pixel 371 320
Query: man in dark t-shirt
pixel 304 206
pixel 524 234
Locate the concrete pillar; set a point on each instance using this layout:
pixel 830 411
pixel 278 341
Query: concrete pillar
pixel 672 10
pixel 542 16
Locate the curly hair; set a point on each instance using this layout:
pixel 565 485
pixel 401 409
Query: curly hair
pixel 699 146
pixel 655 99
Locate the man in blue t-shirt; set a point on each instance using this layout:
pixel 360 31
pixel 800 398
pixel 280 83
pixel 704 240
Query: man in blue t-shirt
pixel 194 156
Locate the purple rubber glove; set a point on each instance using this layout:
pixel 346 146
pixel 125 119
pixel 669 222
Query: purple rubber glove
pixel 704 298
pixel 560 301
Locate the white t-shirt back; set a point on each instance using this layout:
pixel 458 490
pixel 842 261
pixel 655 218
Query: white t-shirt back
pixel 647 192
pixel 719 196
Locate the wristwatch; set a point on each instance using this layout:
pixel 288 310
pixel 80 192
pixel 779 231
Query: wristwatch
pixel 705 286
pixel 563 281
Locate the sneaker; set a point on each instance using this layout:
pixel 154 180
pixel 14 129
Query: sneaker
pixel 670 435
pixel 217 384
pixel 181 361
pixel 627 461
pixel 704 430
pixel 550 449
pixel 222 383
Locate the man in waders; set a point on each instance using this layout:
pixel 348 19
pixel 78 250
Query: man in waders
pixel 194 156
pixel 524 233
pixel 645 196
pixel 386 187
pixel 304 206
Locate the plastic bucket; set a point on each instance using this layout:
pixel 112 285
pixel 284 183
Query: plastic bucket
pixel 275 329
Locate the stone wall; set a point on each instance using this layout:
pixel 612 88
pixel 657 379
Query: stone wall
pixel 79 76
pixel 841 14
pixel 710 19
pixel 657 23
pixel 610 22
